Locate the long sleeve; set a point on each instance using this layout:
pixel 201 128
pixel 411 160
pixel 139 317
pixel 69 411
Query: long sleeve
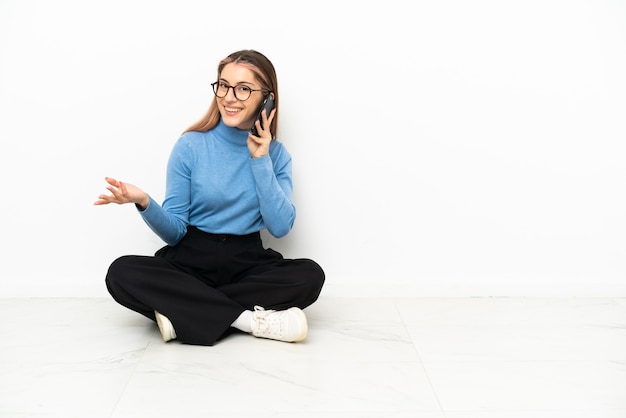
pixel 274 189
pixel 213 184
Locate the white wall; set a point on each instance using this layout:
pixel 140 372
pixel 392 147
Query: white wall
pixel 440 147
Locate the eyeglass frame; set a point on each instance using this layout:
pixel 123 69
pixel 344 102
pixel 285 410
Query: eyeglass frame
pixel 228 87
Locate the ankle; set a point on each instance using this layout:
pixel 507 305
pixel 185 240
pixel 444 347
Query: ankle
pixel 244 322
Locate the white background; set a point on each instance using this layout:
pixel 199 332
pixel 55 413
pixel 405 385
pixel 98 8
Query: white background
pixel 454 148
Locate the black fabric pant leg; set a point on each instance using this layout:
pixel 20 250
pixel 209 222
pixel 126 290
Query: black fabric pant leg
pixel 281 285
pixel 199 313
pixel 203 283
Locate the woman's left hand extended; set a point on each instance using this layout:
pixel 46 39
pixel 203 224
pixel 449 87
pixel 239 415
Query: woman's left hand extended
pixel 259 146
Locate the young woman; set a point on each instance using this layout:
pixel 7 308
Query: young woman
pixel 224 185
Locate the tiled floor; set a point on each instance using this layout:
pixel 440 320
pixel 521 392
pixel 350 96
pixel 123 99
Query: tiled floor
pixel 427 358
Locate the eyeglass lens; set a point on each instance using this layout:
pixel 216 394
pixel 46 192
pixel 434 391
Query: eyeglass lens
pixel 241 92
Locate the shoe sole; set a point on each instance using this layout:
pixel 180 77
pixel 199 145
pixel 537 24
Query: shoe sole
pixel 164 326
pixel 305 329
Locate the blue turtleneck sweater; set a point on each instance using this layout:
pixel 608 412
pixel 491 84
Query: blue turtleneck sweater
pixel 214 185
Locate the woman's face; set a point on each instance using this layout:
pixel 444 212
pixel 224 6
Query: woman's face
pixel 237 113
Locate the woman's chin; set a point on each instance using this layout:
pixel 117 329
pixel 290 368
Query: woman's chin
pixel 235 122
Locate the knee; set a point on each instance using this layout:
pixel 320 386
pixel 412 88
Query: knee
pixel 116 272
pixel 315 275
pixel 117 266
pixel 318 272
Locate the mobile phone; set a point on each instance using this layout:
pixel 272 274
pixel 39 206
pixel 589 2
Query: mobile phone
pixel 267 105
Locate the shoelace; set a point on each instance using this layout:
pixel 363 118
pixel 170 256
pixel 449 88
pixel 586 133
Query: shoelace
pixel 260 316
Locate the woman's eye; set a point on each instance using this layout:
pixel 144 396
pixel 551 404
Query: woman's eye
pixel 243 89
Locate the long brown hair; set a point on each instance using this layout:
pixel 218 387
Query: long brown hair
pixel 264 74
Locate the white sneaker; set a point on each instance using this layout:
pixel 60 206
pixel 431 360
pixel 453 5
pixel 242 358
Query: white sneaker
pixel 289 325
pixel 165 326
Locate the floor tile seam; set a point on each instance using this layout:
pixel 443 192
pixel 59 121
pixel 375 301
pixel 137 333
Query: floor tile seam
pixel 535 410
pixel 348 412
pixel 493 359
pixel 53 298
pixel 419 357
pixel 402 298
pixel 131 375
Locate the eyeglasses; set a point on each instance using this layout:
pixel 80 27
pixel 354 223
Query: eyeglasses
pixel 241 92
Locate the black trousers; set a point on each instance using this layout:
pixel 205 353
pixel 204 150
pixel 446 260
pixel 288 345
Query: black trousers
pixel 206 281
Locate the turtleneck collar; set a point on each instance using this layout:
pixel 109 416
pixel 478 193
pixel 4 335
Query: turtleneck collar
pixel 231 135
